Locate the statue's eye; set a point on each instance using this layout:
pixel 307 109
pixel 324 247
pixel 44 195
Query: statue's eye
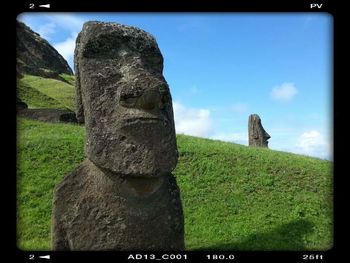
pixel 103 46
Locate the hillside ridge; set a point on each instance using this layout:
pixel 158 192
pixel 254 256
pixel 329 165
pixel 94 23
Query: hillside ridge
pixel 35 55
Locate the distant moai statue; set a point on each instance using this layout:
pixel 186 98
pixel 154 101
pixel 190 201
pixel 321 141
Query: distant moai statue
pixel 123 196
pixel 257 135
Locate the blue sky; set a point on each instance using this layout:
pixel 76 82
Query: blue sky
pixel 222 67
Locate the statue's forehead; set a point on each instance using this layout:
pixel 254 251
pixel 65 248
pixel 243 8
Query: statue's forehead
pixel 115 43
pixel 118 48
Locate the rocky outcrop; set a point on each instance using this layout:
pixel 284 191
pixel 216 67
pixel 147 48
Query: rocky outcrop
pixel 47 115
pixel 35 56
pixel 20 105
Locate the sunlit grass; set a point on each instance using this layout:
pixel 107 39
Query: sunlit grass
pixel 234 197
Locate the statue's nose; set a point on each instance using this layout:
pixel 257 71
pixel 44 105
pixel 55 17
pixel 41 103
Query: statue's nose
pixel 148 99
pixel 267 136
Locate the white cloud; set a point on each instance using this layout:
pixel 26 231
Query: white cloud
pixel 66 21
pixel 284 92
pixel 236 137
pixel 192 121
pixel 52 23
pixel 240 107
pixel 66 48
pixel 313 143
pixel 46 30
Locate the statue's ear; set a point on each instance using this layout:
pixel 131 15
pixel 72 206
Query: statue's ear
pixel 254 129
pixel 255 133
pixel 79 106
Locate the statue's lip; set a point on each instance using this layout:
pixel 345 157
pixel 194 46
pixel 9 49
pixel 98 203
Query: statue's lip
pixel 131 121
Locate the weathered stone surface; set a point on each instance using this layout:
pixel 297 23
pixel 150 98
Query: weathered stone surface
pixel 257 135
pixel 125 100
pixel 97 210
pixel 35 56
pixel 123 197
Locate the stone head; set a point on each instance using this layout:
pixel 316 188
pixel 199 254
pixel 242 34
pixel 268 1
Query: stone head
pixel 257 134
pixel 124 100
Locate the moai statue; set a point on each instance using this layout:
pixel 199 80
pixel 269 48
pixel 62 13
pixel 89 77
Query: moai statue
pixel 257 135
pixel 123 196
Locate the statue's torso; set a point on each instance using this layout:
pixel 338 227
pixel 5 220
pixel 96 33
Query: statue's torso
pixel 103 213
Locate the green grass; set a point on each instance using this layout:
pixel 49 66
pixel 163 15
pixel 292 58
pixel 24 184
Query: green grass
pixel 57 94
pixel 241 198
pixel 45 153
pixel 234 197
pixel 35 99
pixel 69 78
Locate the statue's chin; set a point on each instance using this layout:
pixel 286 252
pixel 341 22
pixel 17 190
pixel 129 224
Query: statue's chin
pixel 137 151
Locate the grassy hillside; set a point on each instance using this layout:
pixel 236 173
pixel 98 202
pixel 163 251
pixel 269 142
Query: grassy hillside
pixel 234 197
pixel 40 92
pixel 35 99
pixel 70 79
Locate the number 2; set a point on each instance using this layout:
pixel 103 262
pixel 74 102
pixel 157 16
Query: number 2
pixel 31 6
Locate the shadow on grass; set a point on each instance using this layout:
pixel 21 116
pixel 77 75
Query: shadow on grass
pixel 285 237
